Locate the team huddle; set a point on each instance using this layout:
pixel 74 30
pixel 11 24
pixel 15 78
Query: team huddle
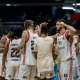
pixel 29 54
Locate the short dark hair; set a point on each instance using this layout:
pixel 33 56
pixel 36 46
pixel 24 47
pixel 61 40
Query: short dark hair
pixel 32 27
pixel 61 20
pixel 28 23
pixel 52 31
pixel 11 28
pixel 17 31
pixel 44 30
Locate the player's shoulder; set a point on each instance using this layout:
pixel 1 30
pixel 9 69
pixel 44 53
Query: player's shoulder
pixel 25 33
pixel 4 38
pixel 49 38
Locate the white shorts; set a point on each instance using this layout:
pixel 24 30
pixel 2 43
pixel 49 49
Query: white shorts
pixel 67 70
pixel 12 68
pixel 46 72
pixel 78 73
pixel 27 72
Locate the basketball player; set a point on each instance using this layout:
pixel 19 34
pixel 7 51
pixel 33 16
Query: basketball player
pixel 78 57
pixel 27 69
pixel 56 55
pixel 67 52
pixel 43 52
pixel 13 56
pixel 2 44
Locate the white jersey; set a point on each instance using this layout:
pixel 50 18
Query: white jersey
pixel 14 55
pixel 78 56
pixel 66 48
pixel 43 47
pixel 28 56
pixel 1 54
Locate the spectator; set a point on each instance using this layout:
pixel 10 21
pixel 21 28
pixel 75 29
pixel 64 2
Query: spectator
pixel 0 21
pixel 67 16
pixel 40 17
pixel 32 16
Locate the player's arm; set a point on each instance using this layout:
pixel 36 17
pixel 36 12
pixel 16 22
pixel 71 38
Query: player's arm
pixel 54 36
pixel 71 31
pixel 2 44
pixel 22 43
pixel 35 49
pixel 77 48
pixel 5 54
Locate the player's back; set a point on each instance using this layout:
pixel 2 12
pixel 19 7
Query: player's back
pixel 28 57
pixel 44 50
pixel 14 55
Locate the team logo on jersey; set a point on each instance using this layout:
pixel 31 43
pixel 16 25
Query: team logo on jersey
pixel 66 75
pixel 34 37
pixel 25 77
pixel 60 42
pixel 9 76
pixel 51 74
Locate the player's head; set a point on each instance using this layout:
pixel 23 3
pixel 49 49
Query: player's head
pixel 17 31
pixel 28 23
pixel 52 31
pixel 44 30
pixel 77 36
pixel 32 27
pixel 58 26
pixel 11 31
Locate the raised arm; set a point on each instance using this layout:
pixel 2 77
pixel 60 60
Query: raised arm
pixel 71 31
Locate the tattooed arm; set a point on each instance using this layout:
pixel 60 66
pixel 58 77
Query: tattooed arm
pixel 2 44
pixel 4 55
pixel 22 43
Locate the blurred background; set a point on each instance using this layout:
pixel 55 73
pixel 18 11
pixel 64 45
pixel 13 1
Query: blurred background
pixel 15 12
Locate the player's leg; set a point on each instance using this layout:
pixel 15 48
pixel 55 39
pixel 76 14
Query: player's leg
pixel 74 70
pixel 58 71
pixel 78 73
pixel 49 74
pixel 65 70
pixel 9 72
pixel 17 68
pixel 24 72
pixel 41 75
pixel 1 73
pixel 33 73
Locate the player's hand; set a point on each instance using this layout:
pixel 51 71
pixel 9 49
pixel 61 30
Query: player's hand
pixel 62 24
pixel 3 68
pixel 44 24
pixel 15 47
